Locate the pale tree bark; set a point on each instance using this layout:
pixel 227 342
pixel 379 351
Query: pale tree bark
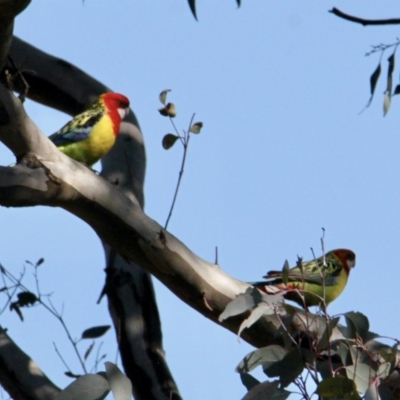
pixel 20 376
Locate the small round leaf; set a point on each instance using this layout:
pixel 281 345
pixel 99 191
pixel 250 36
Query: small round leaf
pixel 169 140
pixel 163 96
pixel 168 111
pixel 196 127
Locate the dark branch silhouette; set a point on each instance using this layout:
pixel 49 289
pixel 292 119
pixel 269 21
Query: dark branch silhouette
pixel 362 21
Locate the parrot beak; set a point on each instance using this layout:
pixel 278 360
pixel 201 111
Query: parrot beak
pixel 351 263
pixel 123 112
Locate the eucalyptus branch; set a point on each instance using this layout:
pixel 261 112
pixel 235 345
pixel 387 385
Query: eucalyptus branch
pixel 185 142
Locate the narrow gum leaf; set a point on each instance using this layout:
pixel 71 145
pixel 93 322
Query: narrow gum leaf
pixel 95 332
pixel 390 73
pixel 169 140
pixel 374 79
pixel 396 90
pixel 387 99
pixel 88 351
pixel 40 262
pixel 192 5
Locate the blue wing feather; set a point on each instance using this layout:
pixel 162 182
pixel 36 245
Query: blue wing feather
pixel 76 130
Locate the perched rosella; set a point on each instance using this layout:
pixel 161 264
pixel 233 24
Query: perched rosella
pixel 316 281
pixel 90 135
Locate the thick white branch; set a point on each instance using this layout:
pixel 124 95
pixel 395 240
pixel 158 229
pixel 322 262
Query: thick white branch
pixel 21 376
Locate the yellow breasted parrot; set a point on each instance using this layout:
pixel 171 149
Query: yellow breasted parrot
pixel 90 135
pixel 326 281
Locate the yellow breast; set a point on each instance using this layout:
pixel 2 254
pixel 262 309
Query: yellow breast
pixel 329 292
pixel 97 145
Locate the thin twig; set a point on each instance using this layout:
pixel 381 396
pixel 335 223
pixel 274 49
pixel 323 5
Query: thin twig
pixel 98 358
pixel 73 342
pixel 382 48
pixel 185 143
pixel 61 358
pixel 51 309
pixel 285 329
pixel 37 281
pixel 17 283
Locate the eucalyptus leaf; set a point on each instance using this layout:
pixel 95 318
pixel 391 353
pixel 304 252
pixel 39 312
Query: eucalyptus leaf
pixel 241 303
pixel 248 380
pixel 265 357
pixel 358 324
pixel 267 390
pixel 361 374
pixel 121 386
pixel 86 387
pixel 169 140
pixel 192 5
pixel 95 332
pixel 163 96
pixel 337 387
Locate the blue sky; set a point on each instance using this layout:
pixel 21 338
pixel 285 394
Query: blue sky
pixel 283 153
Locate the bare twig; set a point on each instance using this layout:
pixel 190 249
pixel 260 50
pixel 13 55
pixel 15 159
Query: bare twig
pixel 16 285
pixel 19 285
pixel 185 143
pixel 362 21
pixel 382 48
pixel 54 311
pixel 61 357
